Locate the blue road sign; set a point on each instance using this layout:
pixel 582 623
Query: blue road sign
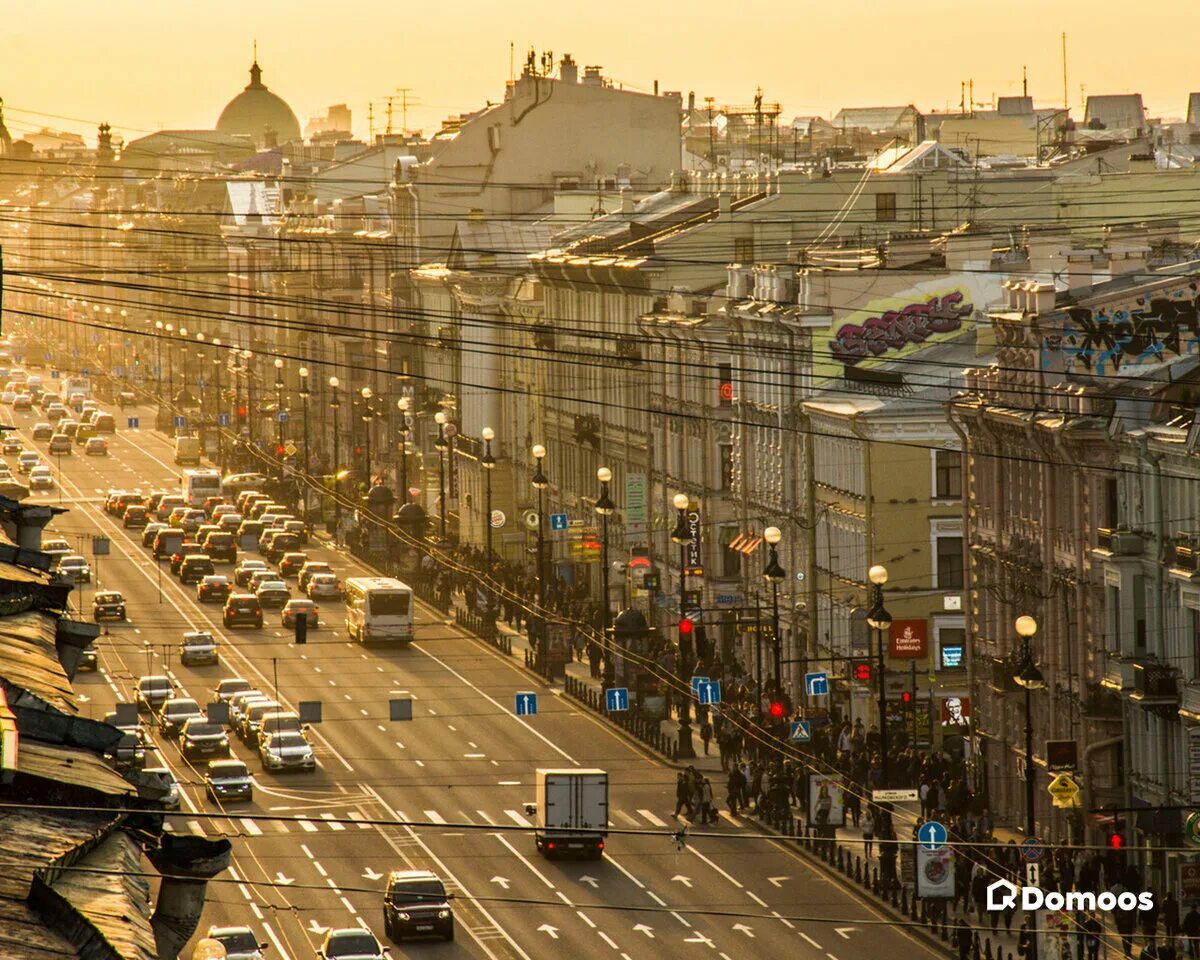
pixel 132 423
pixel 526 704
pixel 617 698
pixel 223 419
pixel 696 682
pixel 801 732
pixel 119 371
pixel 1031 849
pixel 816 684
pixel 281 416
pixel 558 521
pixel 53 374
pixel 180 423
pixel 932 835
pixel 709 692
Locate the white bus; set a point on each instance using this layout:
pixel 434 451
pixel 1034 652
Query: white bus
pixel 378 608
pixel 200 484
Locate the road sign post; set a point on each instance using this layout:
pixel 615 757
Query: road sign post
pixel 617 699
pixel 816 684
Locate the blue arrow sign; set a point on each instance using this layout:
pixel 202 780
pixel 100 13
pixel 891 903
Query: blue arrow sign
pixel 617 698
pixel 816 684
pixel 709 692
pixel 87 372
pixel 180 423
pixel 281 416
pixel 119 371
pixel 932 835
pixel 801 732
pixel 526 704
pixel 132 423
pixel 558 521
pixel 223 419
pixel 696 682
pixel 53 374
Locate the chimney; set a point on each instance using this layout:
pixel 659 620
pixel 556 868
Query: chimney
pixel 591 77
pixel 187 863
pixel 628 203
pixel 691 101
pixel 1079 270
pixel 656 88
pixel 1042 298
pixel 568 69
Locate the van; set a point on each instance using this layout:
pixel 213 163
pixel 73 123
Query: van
pixel 167 542
pixel 187 450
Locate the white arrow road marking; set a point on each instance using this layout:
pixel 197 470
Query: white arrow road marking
pixel 686 881
pixel 777 881
pixel 503 881
pixel 285 880
pixel 700 938
pixel 317 928
pixel 591 881
pixel 844 932
pixel 648 931
pixel 552 931
pixel 370 874
pixel 83 698
pixel 748 931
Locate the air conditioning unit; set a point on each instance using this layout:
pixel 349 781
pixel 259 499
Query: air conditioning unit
pixel 1127 544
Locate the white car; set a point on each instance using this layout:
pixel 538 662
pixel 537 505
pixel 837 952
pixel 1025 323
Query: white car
pixel 351 943
pixel 40 478
pixel 287 751
pixel 239 942
pixel 27 460
pixel 8 396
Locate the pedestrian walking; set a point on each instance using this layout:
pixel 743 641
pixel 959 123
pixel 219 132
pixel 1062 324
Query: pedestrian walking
pixel 868 833
pixel 708 813
pixel 736 787
pixel 706 734
pixel 683 796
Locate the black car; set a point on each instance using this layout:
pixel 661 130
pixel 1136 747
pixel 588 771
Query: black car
pixel 228 780
pixel 152 692
pixel 182 552
pixel 89 658
pixel 221 547
pixel 243 608
pixel 175 712
pixel 415 904
pixel 201 739
pixel 108 605
pixel 195 568
pixel 281 544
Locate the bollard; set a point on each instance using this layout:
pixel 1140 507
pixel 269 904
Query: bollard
pixel 987 949
pixel 975 947
pixel 875 880
pixel 857 869
pixel 904 901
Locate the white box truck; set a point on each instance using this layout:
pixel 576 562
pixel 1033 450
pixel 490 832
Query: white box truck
pixel 572 812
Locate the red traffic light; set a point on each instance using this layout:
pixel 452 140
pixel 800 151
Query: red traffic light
pixel 776 710
pixel 1116 841
pixel 686 626
pixel 279 450
pixel 906 697
pixel 862 672
pixel 242 411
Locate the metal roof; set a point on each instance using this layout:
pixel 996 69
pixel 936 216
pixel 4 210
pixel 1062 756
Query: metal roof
pixel 33 839
pixel 73 766
pixel 29 658
pixel 25 936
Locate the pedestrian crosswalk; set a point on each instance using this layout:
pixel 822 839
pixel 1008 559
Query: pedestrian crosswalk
pixel 338 822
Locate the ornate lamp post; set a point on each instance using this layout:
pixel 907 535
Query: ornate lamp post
pixel 335 404
pixel 1029 677
pixel 367 415
pixel 682 535
pixel 279 451
pixel 440 443
pixel 218 362
pixel 402 405
pixel 247 356
pixel 605 508
pixel 540 483
pixel 774 574
pixel 488 463
pixel 303 373
pixel 879 620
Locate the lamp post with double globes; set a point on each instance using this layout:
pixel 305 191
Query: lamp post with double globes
pixel 279 414
pixel 440 443
pixel 403 404
pixel 218 362
pixel 335 405
pixel 247 356
pixel 774 574
pixel 540 482
pixel 307 466
pixel 368 415
pixel 682 535
pixel 604 509
pixel 880 620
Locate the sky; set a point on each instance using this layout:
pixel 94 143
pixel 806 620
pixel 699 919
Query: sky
pixel 144 65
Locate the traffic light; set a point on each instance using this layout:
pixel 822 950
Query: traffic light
pixel 279 450
pixel 1116 840
pixel 242 411
pixel 862 671
pixel 776 710
pixel 687 628
pixel 906 698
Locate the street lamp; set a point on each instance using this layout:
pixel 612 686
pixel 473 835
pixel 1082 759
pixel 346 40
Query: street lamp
pixel 488 463
pixel 247 356
pixel 217 364
pixel 367 394
pixel 774 574
pixel 279 414
pixel 303 374
pixel 682 535
pixel 170 330
pixel 880 620
pixel 540 483
pixel 605 508
pixel 402 405
pixel 440 443
pixel 1029 677
pixel 335 404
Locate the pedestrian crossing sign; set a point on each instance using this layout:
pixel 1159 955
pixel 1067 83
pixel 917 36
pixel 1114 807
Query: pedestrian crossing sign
pixel 801 732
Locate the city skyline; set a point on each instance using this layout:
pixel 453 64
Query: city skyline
pixel 155 85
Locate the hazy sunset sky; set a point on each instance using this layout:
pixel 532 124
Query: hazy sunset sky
pixel 144 65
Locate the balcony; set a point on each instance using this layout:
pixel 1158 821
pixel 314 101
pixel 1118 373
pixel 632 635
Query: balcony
pixel 1101 703
pixel 629 350
pixel 1155 685
pixel 1185 562
pixel 1115 542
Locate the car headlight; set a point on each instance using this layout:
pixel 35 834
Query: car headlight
pixel 443 914
pixel 403 916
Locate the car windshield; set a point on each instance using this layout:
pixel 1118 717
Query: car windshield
pixel 155 683
pixel 353 944
pixel 243 941
pixel 418 891
pixel 108 598
pixel 288 740
pixel 182 708
pixel 204 730
pixel 233 771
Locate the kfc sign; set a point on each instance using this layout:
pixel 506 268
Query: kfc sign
pixel 908 639
pixel 956 711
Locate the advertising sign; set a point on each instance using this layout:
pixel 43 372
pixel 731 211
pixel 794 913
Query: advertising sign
pixel 1194 764
pixel 694 551
pixel 935 873
pixel 908 639
pixel 825 801
pixel 1189 881
pixel 635 504
pixel 955 712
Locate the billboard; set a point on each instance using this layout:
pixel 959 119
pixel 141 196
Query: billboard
pixel 935 873
pixel 826 805
pixel 908 639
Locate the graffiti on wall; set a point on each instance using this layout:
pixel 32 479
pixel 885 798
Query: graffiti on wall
pixel 896 329
pixel 1143 330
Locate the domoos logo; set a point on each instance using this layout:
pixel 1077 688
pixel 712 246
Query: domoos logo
pixel 1002 895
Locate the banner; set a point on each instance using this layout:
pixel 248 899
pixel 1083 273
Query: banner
pixel 826 805
pixel 935 873
pixel 908 639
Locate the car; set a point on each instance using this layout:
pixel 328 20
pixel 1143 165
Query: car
pixel 198 646
pixel 130 750
pixel 96 447
pixel 350 943
pixel 89 658
pixel 211 503
pixel 152 692
pixel 213 589
pixel 251 715
pixel 290 564
pixel 26 459
pixel 195 568
pixel 286 751
pixel 323 586
pixel 40 478
pixel 260 507
pixel 244 570
pixel 243 608
pixel 174 712
pixel 166 504
pixel 239 700
pixel 60 445
pixel 175 516
pixel 226 780
pixel 293 608
pixel 151 531
pixel 56 547
pixel 23 402
pixel 199 739
pixel 415 904
pixel 273 593
pixel 155 498
pixel 126 398
pixel 204 530
pixel 136 515
pixel 167 541
pixel 239 942
pixel 8 396
pixel 259 577
pixel 191 521
pixel 220 546
pixel 104 423
pixel 281 542
pixel 220 509
pixel 55 411
pixel 170 784
pixel 227 686
pixel 68 427
pixel 281 721
pixel 108 605
pixel 229 522
pixel 243 498
pixel 42 431
pixel 84 432
pixel 75 567
pixel 298 529
pixel 307 571
pixel 185 549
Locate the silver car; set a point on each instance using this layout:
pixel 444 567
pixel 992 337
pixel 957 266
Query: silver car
pixel 287 751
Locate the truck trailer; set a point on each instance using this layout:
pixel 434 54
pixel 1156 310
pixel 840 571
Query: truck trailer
pixel 571 812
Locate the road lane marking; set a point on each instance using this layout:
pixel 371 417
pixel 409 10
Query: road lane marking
pixel 532 869
pixel 655 821
pixel 516 818
pixel 629 820
pixel 358 818
pixel 348 905
pixel 308 827
pixel 586 919
pixel 333 824
pixel 811 941
pixel 486 818
pixel 251 827
pixel 727 876
pixel 320 869
pixel 434 817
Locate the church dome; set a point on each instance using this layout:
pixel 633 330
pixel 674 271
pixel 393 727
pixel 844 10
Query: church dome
pixel 259 114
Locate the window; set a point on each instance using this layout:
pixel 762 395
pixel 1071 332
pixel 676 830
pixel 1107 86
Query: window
pixel 731 560
pixel 947 469
pixel 950 563
pixel 725 463
pixel 885 207
pixel 743 250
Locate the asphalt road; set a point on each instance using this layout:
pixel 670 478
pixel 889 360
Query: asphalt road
pixel 444 791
